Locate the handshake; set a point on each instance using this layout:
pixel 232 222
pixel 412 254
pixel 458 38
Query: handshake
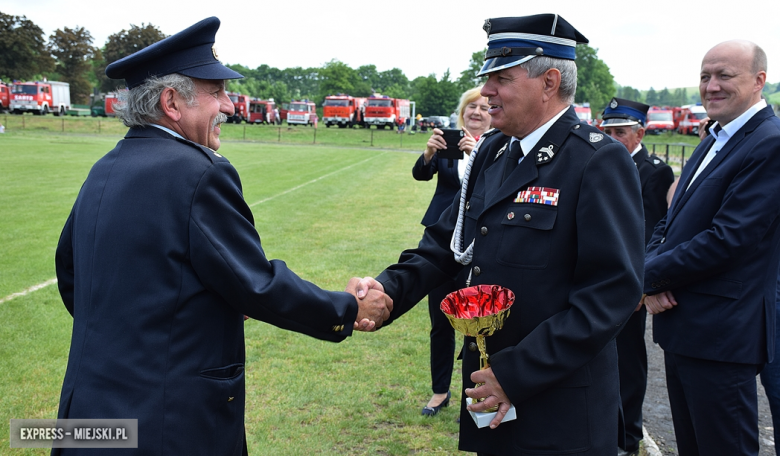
pixel 374 306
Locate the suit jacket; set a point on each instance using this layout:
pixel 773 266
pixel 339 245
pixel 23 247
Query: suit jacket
pixel 447 186
pixel 158 263
pixel 718 250
pixel 575 269
pixel 656 177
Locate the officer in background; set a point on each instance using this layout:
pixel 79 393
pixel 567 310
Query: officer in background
pixel 159 261
pixel 551 209
pixel 624 120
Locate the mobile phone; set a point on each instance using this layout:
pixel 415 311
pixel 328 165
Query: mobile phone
pixel 707 127
pixel 452 137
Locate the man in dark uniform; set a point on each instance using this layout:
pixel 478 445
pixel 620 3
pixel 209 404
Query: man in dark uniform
pixel 159 261
pixel 624 120
pixel 551 209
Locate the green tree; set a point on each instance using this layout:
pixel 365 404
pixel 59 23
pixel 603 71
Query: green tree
pixel 595 84
pixel 73 51
pixel 122 44
pixel 652 97
pixel 435 98
pixel 336 77
pixel 394 80
pixel 468 78
pixel 23 51
pixel 665 98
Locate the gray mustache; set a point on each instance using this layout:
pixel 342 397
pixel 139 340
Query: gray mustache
pixel 220 119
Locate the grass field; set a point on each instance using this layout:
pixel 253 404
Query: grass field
pixel 331 213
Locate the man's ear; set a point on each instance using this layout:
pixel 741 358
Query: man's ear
pixel 170 102
pixel 552 81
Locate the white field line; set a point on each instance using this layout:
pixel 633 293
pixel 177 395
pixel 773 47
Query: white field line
pixel 28 290
pixel 311 181
pixel 53 281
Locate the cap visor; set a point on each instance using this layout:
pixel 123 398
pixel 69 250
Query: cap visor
pixel 211 71
pixel 501 63
pixel 618 123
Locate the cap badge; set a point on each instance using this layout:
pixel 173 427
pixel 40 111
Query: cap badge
pixel 614 104
pixel 545 154
pixel 214 52
pixel 596 137
pixel 487 26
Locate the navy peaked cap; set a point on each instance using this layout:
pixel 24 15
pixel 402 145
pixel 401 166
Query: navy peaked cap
pixel 515 40
pixel 190 52
pixel 621 113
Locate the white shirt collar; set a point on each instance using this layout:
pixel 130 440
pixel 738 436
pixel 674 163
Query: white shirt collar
pixel 530 141
pixel 732 127
pixel 638 148
pixel 168 130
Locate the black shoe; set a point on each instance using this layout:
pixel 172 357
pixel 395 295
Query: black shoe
pixel 430 411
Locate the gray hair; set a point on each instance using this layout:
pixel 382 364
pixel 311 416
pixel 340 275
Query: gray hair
pixel 140 106
pixel 538 65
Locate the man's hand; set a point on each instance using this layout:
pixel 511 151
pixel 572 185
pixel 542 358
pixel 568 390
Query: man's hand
pixel 374 306
pixel 492 392
pixel 660 302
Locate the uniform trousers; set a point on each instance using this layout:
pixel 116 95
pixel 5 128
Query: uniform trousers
pixel 632 367
pixel 714 405
pixel 442 340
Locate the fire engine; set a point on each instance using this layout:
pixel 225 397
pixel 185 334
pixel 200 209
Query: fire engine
pixel 382 111
pixel 262 112
pixel 41 97
pixel 302 113
pixel 241 105
pixel 5 96
pixel 343 110
pixel 583 113
pixel 688 117
pixel 659 120
pixel 106 108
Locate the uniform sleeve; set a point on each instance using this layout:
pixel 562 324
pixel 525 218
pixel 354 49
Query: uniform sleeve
pixel 229 260
pixel 750 205
pixel 423 172
pixel 654 196
pixel 63 263
pixel 605 286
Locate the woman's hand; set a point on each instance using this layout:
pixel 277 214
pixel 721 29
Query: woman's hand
pixel 435 142
pixel 467 142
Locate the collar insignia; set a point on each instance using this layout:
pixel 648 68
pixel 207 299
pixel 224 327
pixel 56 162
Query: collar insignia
pixel 501 151
pixel 545 154
pixel 596 137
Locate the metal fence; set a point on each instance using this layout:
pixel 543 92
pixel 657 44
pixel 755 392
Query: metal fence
pixel 674 154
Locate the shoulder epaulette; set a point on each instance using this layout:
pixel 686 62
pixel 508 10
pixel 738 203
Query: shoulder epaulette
pixel 591 135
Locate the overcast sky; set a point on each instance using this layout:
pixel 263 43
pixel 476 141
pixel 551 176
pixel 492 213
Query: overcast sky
pixel 645 43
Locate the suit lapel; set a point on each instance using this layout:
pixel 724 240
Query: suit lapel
pixel 704 147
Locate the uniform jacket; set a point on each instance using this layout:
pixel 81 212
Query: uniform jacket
pixel 655 177
pixel 158 263
pixel 575 269
pixel 718 250
pixel 447 185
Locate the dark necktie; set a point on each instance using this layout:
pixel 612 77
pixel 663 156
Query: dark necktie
pixel 512 158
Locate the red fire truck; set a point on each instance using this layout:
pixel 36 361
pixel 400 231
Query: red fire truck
pixel 383 111
pixel 302 113
pixel 5 96
pixel 659 120
pixel 41 97
pixel 241 105
pixel 343 110
pixel 262 112
pixel 687 118
pixel 584 113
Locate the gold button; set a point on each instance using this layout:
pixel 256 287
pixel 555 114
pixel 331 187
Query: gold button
pixel 230 399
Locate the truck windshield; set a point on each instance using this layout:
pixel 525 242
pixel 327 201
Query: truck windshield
pixel 386 103
pixel 336 103
pixel 233 98
pixel 662 116
pixel 298 107
pixel 26 89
